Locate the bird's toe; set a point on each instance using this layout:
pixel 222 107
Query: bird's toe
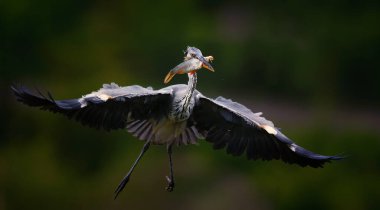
pixel 171 185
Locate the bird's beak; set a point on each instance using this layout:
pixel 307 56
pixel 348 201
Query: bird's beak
pixel 205 62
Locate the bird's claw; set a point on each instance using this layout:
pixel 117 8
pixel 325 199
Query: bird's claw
pixel 170 186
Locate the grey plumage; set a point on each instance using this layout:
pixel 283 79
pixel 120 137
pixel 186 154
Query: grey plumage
pixel 144 113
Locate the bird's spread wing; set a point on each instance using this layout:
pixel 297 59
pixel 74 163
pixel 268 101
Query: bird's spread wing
pixel 111 107
pixel 230 125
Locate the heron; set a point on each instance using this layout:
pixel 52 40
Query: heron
pixel 178 115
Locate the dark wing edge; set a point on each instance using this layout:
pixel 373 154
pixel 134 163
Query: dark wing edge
pixel 45 102
pixel 230 125
pixel 94 111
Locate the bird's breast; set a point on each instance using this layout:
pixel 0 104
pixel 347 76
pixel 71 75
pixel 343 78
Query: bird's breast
pixel 181 108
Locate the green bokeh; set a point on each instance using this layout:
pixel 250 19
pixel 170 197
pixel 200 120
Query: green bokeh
pixel 312 68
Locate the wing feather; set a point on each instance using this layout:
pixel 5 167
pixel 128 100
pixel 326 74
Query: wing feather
pixel 111 107
pixel 230 125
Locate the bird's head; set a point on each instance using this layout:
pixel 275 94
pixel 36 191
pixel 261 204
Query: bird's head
pixel 193 61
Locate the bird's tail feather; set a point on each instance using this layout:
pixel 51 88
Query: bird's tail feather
pixel 163 132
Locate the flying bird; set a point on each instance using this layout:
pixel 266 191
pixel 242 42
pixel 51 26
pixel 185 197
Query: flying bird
pixel 178 115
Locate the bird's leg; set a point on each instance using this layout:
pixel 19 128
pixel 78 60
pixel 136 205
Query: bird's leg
pixel 170 179
pixel 126 178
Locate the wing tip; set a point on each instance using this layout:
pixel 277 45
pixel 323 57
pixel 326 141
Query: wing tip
pixel 338 157
pixel 44 101
pixel 25 96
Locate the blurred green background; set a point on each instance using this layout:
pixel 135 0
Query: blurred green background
pixel 311 67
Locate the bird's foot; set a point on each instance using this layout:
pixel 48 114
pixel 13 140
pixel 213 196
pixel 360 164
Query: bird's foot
pixel 170 186
pixel 121 186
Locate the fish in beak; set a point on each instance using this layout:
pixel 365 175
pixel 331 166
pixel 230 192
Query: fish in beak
pixel 194 61
pixel 169 77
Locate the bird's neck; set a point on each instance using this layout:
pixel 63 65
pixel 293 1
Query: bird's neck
pixel 191 85
pixel 184 104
